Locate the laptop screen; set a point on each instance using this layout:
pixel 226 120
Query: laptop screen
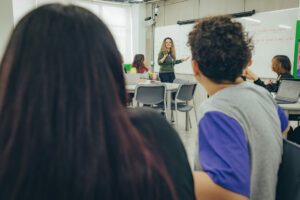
pixel 288 89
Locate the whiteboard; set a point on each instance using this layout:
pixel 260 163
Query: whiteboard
pixel 273 33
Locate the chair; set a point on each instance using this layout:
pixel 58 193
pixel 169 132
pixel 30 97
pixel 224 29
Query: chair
pixel 288 184
pixel 151 95
pixel 180 81
pixel 185 94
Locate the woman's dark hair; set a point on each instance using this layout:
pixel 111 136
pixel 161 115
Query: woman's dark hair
pixel 138 62
pixel 64 132
pixel 220 47
pixel 281 64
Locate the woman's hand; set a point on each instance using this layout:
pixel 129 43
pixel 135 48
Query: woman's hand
pixel 268 82
pixel 185 59
pixel 163 59
pixel 250 75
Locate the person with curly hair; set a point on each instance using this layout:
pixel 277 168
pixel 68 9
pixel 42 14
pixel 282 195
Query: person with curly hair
pixel 167 60
pixel 239 132
pixel 281 65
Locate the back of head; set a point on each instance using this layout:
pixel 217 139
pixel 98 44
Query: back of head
pixel 138 61
pixel 220 47
pixel 281 64
pixel 63 132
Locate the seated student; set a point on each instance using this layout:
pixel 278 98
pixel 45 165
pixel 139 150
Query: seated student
pixel 240 141
pixel 65 132
pixel 281 65
pixel 138 65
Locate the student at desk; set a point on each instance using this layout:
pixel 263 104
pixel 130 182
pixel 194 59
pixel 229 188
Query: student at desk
pixel 139 64
pixel 281 64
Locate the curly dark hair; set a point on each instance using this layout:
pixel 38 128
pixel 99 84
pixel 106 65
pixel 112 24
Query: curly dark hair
pixel 220 47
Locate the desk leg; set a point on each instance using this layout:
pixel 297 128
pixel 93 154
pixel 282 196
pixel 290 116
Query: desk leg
pixel 169 100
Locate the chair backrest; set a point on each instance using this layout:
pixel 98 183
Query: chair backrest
pixel 132 79
pixel 150 94
pixel 288 184
pixel 180 81
pixel 186 91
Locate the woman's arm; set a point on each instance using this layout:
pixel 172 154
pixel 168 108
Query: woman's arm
pixel 181 60
pixel 252 76
pixel 161 58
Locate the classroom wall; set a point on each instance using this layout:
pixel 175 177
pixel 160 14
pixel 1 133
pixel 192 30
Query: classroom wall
pixel 138 27
pixel 170 11
pixel 6 23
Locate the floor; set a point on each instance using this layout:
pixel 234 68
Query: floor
pixel 188 138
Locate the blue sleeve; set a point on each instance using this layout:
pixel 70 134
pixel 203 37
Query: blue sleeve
pixel 283 119
pixel 223 152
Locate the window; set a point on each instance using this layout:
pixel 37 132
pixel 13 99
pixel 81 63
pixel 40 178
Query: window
pixel 118 19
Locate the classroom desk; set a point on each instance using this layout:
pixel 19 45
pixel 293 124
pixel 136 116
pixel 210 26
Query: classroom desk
pixel 170 88
pixel 291 109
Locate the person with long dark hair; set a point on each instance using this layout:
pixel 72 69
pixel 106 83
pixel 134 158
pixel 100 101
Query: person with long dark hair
pixel 281 65
pixel 65 131
pixel 139 64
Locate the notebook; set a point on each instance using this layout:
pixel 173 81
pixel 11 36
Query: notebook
pixel 288 92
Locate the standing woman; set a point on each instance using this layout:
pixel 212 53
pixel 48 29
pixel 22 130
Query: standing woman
pixel 167 60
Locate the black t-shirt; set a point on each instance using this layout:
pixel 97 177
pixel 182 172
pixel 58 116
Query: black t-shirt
pixel 168 144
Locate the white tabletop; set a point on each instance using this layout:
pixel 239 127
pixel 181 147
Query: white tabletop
pixel 170 87
pixel 291 109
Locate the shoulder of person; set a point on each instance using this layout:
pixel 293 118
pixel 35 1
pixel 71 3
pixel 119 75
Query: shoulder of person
pixel 145 115
pixel 151 123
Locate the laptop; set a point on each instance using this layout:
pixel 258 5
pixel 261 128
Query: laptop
pixel 132 79
pixel 288 92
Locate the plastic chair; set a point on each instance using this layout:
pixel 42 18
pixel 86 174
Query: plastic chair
pixel 180 81
pixel 184 95
pixel 288 184
pixel 151 95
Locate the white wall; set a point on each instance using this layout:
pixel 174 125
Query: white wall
pixel 6 23
pixel 171 11
pixel 139 29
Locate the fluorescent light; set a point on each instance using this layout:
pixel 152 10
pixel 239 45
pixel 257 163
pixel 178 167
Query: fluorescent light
pixel 284 26
pixel 251 19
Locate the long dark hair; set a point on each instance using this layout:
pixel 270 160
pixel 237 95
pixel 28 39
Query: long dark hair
pixel 138 62
pixel 63 132
pixel 281 64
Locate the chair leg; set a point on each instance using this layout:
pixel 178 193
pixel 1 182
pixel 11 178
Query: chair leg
pixel 190 120
pixel 176 115
pixel 195 115
pixel 186 121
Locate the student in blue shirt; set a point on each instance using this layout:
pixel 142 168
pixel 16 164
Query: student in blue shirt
pixel 240 127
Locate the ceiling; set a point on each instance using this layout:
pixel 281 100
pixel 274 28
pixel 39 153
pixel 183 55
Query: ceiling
pixel 129 1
